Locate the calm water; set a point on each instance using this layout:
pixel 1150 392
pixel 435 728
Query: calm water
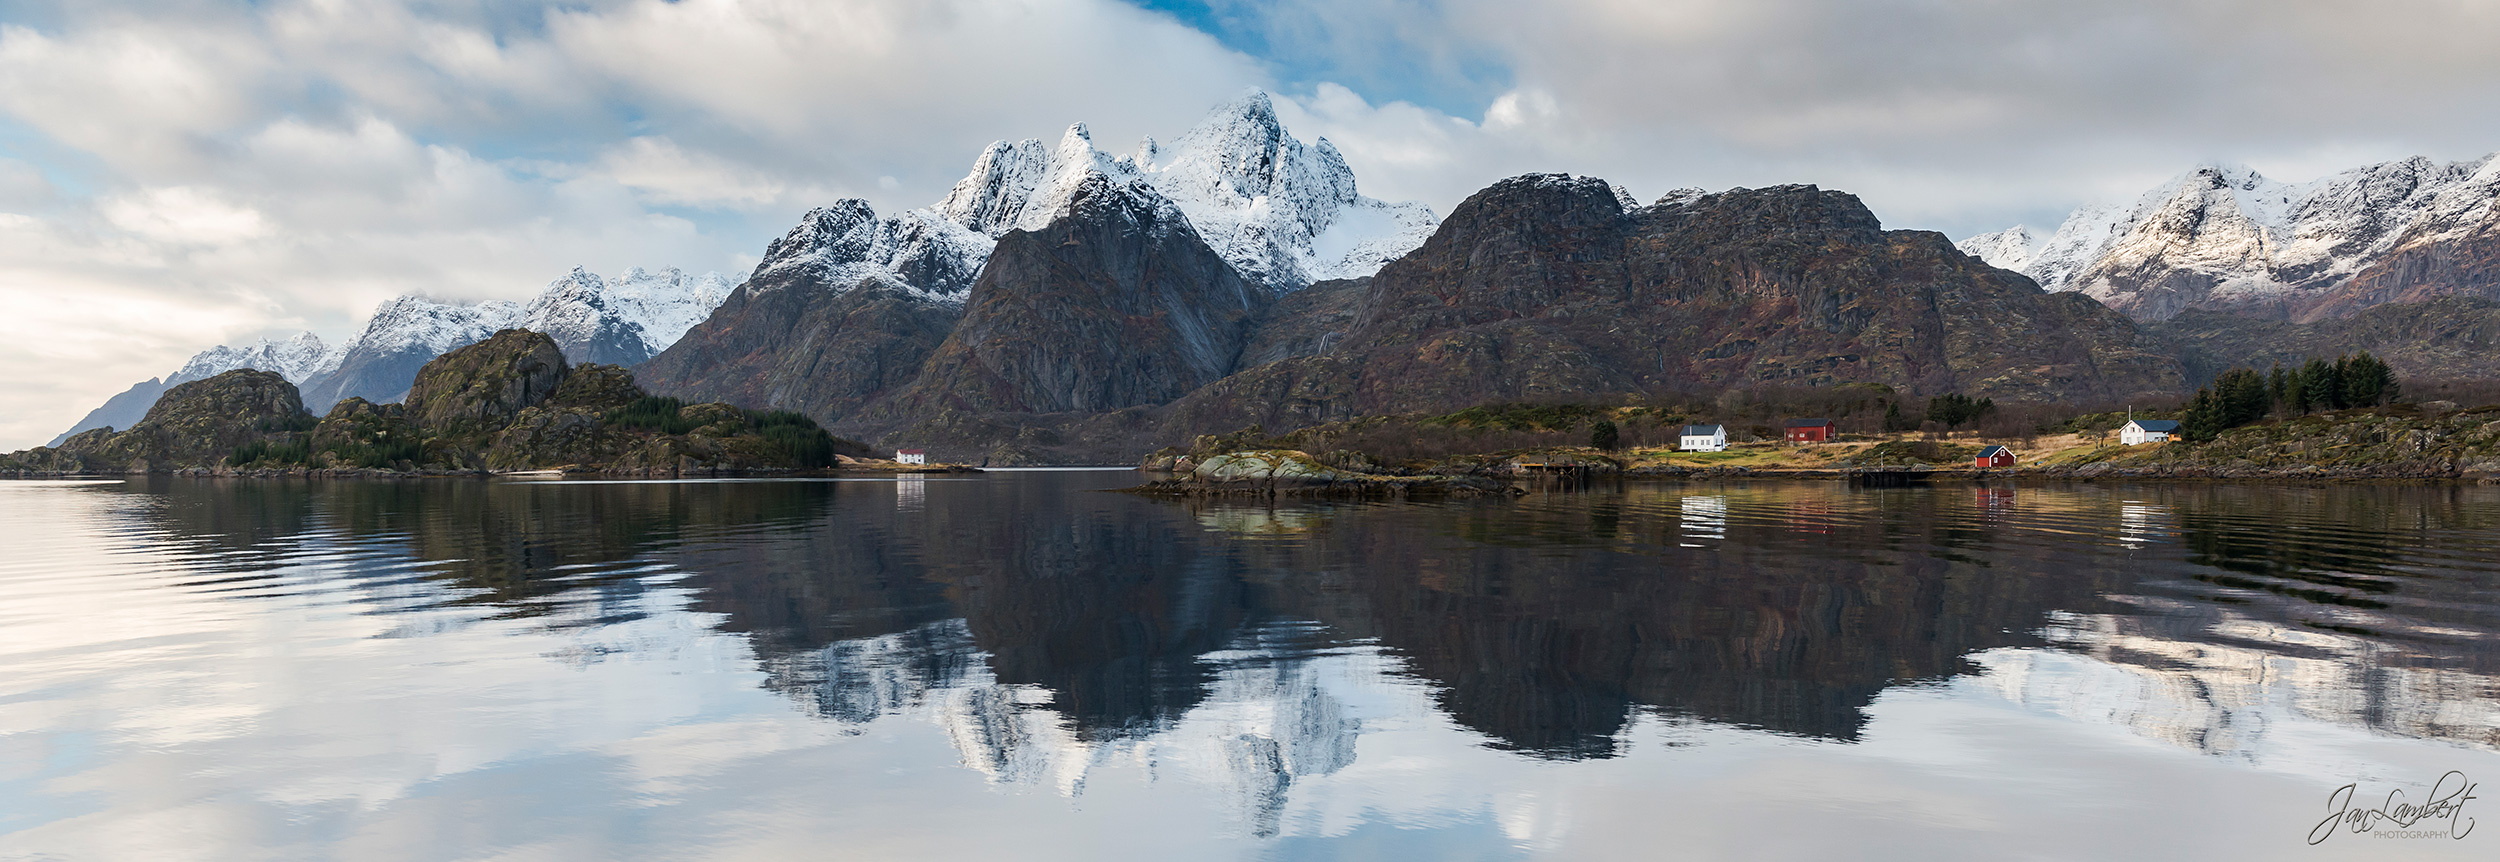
pixel 1013 667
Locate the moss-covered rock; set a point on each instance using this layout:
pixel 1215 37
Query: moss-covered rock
pixel 361 434
pixel 475 391
pixel 200 424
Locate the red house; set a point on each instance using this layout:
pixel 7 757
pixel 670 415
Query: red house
pixel 1994 458
pixel 1809 430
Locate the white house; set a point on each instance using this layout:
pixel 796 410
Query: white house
pixel 1704 438
pixel 911 456
pixel 2147 431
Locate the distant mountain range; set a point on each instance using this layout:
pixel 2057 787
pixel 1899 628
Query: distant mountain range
pixel 621 322
pixel 1063 303
pixel 2226 238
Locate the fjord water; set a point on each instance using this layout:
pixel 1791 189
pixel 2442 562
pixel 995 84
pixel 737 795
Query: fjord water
pixel 1015 666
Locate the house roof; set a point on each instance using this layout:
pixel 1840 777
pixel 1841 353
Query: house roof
pixel 1809 423
pixel 1702 430
pixel 910 452
pixel 1992 451
pixel 2157 424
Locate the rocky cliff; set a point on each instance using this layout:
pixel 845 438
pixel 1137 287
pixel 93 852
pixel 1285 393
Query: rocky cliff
pixel 1118 303
pixel 1546 287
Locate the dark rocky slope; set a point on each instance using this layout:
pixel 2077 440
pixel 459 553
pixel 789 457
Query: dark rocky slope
pixel 1545 287
pixel 814 330
pixel 1117 304
pixel 2453 337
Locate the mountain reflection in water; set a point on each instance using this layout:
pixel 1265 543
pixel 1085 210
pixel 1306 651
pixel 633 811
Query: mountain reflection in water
pixel 1051 632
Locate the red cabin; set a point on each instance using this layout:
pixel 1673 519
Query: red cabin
pixel 1994 458
pixel 1809 430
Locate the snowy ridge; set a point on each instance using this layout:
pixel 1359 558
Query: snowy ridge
pixel 1283 213
pixel 297 359
pixel 846 243
pixel 2005 249
pixel 2224 235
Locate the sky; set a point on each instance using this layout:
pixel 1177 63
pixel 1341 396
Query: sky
pixel 178 174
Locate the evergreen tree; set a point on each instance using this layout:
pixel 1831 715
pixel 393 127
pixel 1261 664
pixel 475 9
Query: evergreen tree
pixel 2279 389
pixel 2320 387
pixel 2240 395
pixel 1604 435
pixel 2204 417
pixel 2367 381
pixel 1956 409
pixel 1894 421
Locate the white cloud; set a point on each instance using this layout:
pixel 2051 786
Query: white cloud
pixel 184 216
pixel 667 174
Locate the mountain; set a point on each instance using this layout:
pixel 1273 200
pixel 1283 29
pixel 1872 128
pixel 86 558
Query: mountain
pixel 619 322
pixel 1118 302
pixel 1283 213
pixel 2228 238
pixel 847 305
pixel 297 359
pixel 403 335
pixel 625 321
pixel 1546 286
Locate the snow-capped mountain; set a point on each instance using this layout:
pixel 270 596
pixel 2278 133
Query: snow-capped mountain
pixel 623 322
pixel 1282 213
pixel 2005 249
pixel 2228 237
pixel 300 358
pixel 620 322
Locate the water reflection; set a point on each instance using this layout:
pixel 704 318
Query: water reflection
pixel 1052 633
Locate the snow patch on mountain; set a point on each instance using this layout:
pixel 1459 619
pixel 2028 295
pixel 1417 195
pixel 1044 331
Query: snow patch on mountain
pixel 2225 235
pixel 2006 249
pixel 844 244
pixel 298 359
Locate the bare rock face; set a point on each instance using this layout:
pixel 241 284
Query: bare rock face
pixel 1546 287
pixel 2448 337
pixel 2422 267
pixel 1119 303
pixel 804 345
pixel 478 389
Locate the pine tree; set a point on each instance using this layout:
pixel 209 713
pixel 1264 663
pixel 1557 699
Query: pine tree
pixel 1605 435
pixel 1894 421
pixel 2279 389
pixel 2320 387
pixel 2240 394
pixel 2204 419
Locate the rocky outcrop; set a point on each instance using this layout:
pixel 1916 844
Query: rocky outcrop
pixel 479 389
pixel 196 424
pixel 1271 473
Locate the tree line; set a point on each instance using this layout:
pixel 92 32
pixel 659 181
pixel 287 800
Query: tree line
pixel 2244 395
